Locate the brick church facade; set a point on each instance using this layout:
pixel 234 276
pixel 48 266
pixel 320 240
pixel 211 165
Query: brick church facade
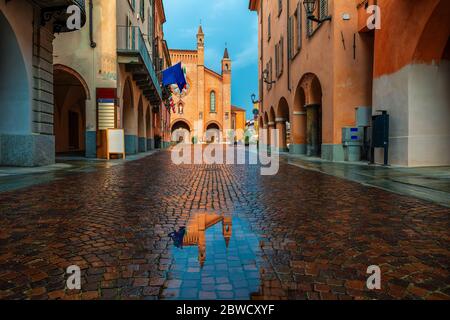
pixel 205 104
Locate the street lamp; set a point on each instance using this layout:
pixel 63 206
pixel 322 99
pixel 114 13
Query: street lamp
pixel 265 76
pixel 254 101
pixel 310 7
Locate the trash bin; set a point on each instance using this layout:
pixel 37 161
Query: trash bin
pixel 352 140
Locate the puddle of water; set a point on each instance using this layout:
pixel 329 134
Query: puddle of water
pixel 219 259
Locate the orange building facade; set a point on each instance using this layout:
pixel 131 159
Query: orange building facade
pixel 318 74
pixel 205 104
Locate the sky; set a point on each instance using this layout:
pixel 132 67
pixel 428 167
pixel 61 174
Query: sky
pixel 224 22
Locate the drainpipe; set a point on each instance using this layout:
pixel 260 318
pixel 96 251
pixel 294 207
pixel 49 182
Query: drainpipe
pixel 288 53
pixel 91 27
pixel 261 97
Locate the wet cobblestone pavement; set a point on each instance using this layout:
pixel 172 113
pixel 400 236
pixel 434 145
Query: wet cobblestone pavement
pixel 297 235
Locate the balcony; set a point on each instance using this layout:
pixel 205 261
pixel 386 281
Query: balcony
pixel 56 11
pixel 133 51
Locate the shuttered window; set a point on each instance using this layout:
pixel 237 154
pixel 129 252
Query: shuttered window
pixel 291 29
pixel 323 9
pixel 299 25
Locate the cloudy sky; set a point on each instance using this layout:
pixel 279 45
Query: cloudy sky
pixel 223 21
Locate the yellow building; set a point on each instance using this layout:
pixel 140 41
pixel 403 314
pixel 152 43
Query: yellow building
pixel 205 104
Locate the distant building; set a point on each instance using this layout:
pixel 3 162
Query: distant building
pixel 205 104
pixel 238 119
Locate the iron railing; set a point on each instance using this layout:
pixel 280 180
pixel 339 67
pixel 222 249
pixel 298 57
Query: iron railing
pixel 130 40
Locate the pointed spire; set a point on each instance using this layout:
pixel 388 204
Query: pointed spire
pixel 200 30
pixel 225 54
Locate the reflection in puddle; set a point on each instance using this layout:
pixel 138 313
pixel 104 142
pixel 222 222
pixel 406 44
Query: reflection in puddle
pixel 215 257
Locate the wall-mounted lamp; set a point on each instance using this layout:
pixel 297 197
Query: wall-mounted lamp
pixel 310 7
pixel 265 76
pixel 254 101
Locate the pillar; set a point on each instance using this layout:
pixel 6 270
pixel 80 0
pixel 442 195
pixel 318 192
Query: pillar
pixel 298 133
pixel 270 127
pixel 281 126
pixel 312 120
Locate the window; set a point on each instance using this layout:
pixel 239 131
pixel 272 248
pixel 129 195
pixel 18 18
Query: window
pixel 321 12
pixel 299 25
pixel 212 102
pixel 130 35
pixel 142 10
pixel 180 108
pixel 269 28
pixel 279 57
pixel 323 9
pixel 132 4
pixel 295 32
pixel 291 31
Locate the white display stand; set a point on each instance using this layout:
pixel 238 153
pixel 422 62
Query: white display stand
pixel 115 142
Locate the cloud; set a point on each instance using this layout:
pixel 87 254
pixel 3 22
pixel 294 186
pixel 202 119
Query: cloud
pixel 248 55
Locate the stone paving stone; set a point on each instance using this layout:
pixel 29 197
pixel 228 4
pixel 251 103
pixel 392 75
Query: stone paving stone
pixel 315 236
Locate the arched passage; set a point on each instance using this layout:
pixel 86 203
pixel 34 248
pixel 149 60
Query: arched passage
pixel 70 94
pixel 129 119
pixel 312 90
pixel 181 131
pixel 141 127
pixel 213 132
pixel 15 97
pixel 282 122
pixel 298 122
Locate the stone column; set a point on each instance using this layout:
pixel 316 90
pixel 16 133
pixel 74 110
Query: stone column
pixel 281 126
pixel 312 119
pixel 270 127
pixel 298 133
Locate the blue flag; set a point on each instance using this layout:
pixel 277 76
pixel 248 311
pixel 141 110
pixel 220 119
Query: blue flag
pixel 174 75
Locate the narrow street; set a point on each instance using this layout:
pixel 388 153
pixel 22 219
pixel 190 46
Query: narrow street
pixel 297 235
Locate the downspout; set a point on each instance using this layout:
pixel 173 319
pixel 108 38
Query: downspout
pixel 91 25
pixel 261 98
pixel 289 49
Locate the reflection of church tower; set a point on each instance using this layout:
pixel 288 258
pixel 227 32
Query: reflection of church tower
pixel 227 227
pixel 201 227
pixel 196 232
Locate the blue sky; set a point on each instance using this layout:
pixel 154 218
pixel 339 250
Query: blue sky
pixel 223 21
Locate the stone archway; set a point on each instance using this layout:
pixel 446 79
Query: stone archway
pixel 70 94
pixel 282 123
pixel 181 131
pixel 313 96
pixel 212 132
pixel 15 97
pixel 129 119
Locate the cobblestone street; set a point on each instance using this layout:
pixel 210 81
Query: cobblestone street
pixel 297 235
